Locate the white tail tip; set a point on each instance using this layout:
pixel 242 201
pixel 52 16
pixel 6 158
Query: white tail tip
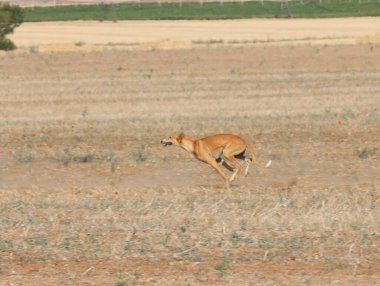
pixel 268 164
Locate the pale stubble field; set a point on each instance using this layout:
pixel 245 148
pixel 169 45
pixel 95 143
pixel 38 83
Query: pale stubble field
pixel 90 197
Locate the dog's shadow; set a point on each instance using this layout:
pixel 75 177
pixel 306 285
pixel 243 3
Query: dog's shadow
pixel 216 186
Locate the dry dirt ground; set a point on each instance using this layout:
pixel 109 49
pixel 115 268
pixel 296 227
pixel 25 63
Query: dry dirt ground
pixel 148 35
pixel 88 196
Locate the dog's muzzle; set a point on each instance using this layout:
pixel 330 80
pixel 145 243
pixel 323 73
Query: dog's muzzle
pixel 166 143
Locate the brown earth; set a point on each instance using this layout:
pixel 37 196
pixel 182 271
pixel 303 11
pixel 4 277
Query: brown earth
pixel 88 196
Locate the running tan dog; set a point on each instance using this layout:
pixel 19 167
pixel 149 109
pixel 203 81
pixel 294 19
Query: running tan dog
pixel 219 148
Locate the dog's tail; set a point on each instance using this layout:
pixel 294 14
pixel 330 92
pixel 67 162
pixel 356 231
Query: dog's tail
pixel 253 156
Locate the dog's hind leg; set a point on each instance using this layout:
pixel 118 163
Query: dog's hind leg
pixel 245 155
pixel 248 162
pixel 248 156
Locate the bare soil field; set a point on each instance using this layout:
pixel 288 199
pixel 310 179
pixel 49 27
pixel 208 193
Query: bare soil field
pixel 88 196
pixel 148 35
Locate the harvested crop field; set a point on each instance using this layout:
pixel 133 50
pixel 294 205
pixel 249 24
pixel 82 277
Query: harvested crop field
pixel 148 35
pixel 90 197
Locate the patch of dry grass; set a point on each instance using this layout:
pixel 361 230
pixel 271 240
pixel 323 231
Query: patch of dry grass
pixel 333 228
pixel 88 195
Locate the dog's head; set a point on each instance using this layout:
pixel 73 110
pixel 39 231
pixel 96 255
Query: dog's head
pixel 172 140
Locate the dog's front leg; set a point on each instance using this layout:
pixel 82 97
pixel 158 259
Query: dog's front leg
pixel 211 161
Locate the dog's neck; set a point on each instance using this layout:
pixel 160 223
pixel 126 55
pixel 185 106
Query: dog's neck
pixel 188 145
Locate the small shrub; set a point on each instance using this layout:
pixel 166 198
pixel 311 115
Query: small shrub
pixel 141 155
pixel 6 44
pixel 86 158
pixel 24 158
pixel 366 152
pixel 69 243
pixel 237 239
pixel 294 243
pixel 144 246
pixel 11 16
pixel 264 242
pixel 222 267
pixel 6 244
pixel 330 264
pixel 128 245
pixel 38 241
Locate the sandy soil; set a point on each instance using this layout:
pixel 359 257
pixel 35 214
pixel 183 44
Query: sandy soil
pixel 184 34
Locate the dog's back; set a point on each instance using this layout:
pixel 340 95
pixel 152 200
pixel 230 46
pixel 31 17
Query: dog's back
pixel 222 140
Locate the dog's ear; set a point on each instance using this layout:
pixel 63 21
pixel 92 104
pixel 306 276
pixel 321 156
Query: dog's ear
pixel 180 137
